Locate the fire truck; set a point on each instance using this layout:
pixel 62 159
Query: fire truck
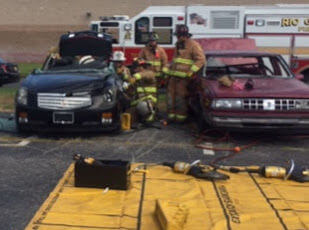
pixel 281 28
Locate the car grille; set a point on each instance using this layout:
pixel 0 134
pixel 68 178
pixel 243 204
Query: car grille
pixel 261 104
pixel 57 101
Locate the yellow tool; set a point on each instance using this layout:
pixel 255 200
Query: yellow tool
pixel 125 121
pixel 273 172
pixel 87 160
pixel 294 172
pixel 196 170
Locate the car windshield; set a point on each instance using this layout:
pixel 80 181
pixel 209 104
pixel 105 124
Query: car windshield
pixel 246 66
pixel 70 65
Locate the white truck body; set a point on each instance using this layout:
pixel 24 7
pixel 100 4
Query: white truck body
pixel 281 28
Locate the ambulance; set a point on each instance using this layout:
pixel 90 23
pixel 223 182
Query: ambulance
pixel 281 28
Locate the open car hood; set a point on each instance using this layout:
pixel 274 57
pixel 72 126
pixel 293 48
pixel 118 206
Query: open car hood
pixel 85 43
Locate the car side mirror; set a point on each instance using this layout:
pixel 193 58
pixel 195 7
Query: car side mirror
pixel 299 77
pixel 35 71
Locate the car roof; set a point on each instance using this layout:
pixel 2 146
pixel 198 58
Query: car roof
pixel 242 53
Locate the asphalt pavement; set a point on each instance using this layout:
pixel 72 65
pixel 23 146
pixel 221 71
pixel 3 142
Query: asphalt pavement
pixel 31 165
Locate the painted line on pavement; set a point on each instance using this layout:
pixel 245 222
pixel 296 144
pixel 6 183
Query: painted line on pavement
pixel 22 143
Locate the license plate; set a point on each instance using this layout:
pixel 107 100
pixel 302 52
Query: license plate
pixel 63 118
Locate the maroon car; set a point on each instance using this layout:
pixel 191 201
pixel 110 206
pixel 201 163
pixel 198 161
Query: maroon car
pixel 258 92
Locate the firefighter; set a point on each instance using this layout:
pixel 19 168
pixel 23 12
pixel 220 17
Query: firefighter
pixel 145 99
pixel 119 67
pixel 188 59
pixel 156 56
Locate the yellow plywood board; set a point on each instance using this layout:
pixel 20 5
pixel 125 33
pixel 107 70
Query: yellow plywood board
pixel 246 201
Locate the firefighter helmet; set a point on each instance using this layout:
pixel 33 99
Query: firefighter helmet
pixel 182 30
pixel 144 109
pixel 118 56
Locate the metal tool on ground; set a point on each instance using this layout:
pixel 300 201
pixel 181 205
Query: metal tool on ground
pixel 86 160
pixel 293 172
pixel 196 170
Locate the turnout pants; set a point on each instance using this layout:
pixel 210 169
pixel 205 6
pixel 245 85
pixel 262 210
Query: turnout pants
pixel 177 93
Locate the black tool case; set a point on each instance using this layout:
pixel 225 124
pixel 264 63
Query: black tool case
pixel 114 174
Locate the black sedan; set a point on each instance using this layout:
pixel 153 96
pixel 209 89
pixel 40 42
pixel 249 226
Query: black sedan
pixel 9 72
pixel 67 95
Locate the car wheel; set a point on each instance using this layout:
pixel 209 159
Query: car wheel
pixel 117 129
pixel 21 129
pixel 201 123
pixel 199 114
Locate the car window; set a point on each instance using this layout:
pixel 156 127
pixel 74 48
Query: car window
pixel 163 27
pixel 72 64
pixel 1 60
pixel 267 66
pixel 248 66
pixel 142 30
pixel 111 28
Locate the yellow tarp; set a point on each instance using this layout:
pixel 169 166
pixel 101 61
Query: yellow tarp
pixel 246 201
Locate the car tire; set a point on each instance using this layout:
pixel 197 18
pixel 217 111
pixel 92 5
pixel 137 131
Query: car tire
pixel 20 129
pixel 201 123
pixel 117 129
pixel 197 111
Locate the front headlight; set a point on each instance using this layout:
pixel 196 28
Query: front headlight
pixel 109 95
pixel 302 104
pixel 22 96
pixel 227 104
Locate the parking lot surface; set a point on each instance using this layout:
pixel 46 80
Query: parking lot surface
pixel 31 165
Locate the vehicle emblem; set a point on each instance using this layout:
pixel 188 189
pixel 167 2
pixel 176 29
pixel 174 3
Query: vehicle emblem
pixel 269 104
pixel 63 103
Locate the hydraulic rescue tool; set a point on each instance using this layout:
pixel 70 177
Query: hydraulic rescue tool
pixel 196 170
pixel 293 172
